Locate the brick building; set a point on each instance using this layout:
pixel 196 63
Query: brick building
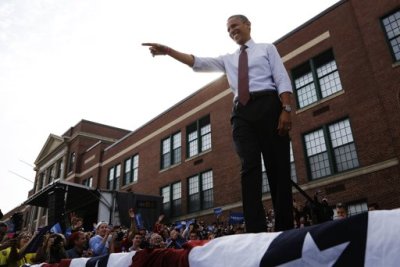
pixel 345 68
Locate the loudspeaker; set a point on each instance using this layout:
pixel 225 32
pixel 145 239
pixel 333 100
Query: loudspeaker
pixel 56 206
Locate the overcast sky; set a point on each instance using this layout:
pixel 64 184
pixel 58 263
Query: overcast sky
pixel 62 61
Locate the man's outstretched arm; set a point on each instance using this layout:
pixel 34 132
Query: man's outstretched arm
pixel 161 50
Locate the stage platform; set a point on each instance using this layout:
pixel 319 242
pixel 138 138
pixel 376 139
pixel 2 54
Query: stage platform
pixel 367 239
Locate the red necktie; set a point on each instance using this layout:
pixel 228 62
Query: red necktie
pixel 243 77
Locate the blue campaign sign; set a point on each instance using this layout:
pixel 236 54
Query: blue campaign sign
pixel 236 218
pixel 218 211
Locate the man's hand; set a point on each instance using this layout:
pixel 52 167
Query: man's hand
pixel 285 123
pixel 157 49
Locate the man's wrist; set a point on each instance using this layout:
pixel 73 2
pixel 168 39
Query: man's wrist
pixel 287 108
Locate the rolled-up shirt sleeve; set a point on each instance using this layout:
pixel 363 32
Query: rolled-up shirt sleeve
pixel 279 73
pixel 208 64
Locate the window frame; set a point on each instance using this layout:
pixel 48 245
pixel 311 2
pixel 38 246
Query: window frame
pixel 174 210
pixel 131 176
pixel 265 184
pixel 116 181
pixel 311 66
pixel 172 151
pixel 387 38
pixel 196 127
pixel 60 168
pixel 201 202
pixel 71 162
pixel 330 150
pixel 88 182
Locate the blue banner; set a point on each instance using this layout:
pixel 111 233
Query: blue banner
pixel 218 211
pixel 236 218
pixel 139 221
pixel 56 229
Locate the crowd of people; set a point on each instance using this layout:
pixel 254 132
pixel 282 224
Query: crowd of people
pixel 104 238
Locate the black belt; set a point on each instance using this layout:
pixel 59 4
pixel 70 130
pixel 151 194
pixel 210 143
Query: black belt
pixel 258 94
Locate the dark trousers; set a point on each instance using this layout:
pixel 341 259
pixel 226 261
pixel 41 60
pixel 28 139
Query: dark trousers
pixel 254 129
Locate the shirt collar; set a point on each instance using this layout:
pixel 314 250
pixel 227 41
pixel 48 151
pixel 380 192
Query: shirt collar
pixel 250 43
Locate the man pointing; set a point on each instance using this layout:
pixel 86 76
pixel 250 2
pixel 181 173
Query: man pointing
pixel 260 119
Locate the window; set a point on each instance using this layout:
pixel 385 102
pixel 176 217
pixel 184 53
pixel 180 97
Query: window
pixel 316 79
pixel 172 194
pixel 265 184
pixel 72 158
pixel 171 150
pixel 330 149
pixel 357 208
pixel 40 181
pixel 176 199
pixel 60 168
pixel 198 136
pixel 88 182
pixel 113 178
pixel 201 195
pixel 166 194
pixel 51 174
pixel 131 169
pixel 391 24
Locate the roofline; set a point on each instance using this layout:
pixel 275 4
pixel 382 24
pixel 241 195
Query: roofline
pixel 308 22
pixel 163 113
pixel 93 122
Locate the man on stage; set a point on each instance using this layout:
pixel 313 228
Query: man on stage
pixel 260 119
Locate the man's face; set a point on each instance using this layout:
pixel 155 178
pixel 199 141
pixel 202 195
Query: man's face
pixel 102 229
pixel 137 240
pixel 341 213
pixel 238 30
pixel 193 236
pixel 174 234
pixel 81 241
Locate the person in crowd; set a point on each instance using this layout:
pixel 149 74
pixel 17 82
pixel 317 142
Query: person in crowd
pixel 175 240
pixel 270 220
pixel 76 225
pixel 156 241
pixel 194 235
pixel 14 254
pixel 57 252
pixel 119 239
pixel 373 206
pixel 79 246
pixel 135 229
pixel 100 243
pixel 158 225
pixel 52 249
pixel 341 211
pixel 192 227
pixel 136 242
pixel 166 233
pixel 261 118
pixel 210 236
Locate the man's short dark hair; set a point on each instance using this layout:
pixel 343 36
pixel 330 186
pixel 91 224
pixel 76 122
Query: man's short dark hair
pixel 243 18
pixel 341 206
